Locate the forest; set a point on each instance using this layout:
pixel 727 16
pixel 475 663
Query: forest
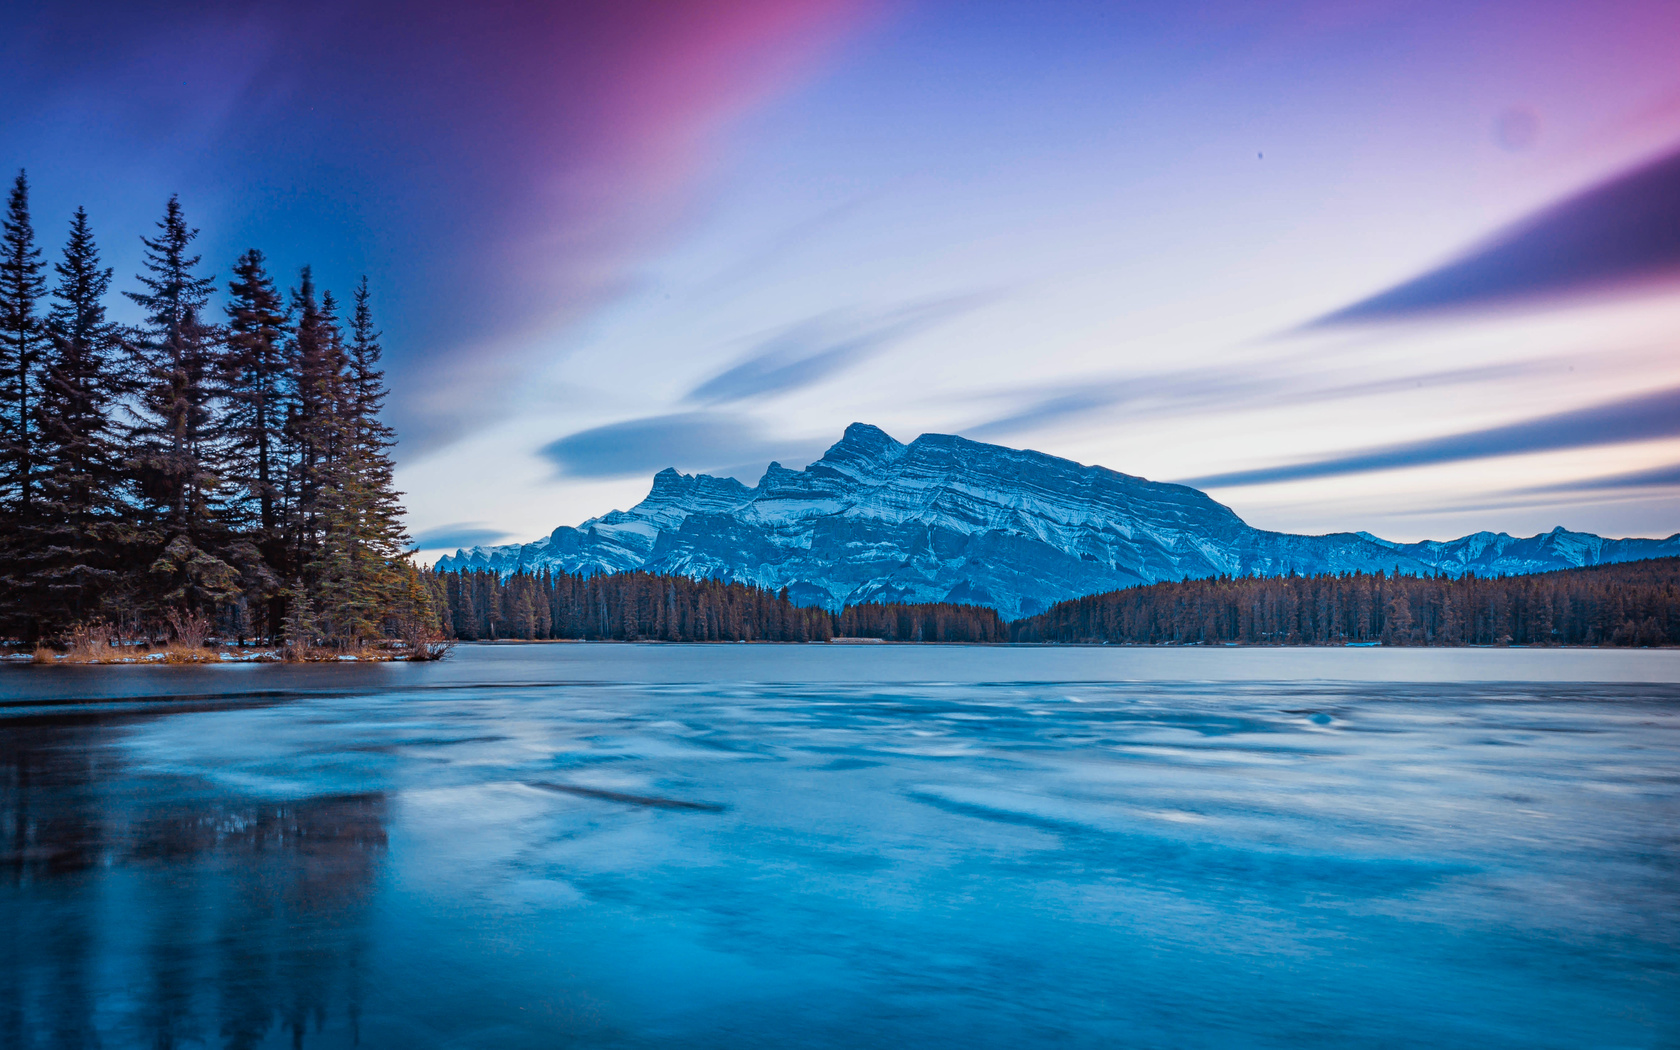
pixel 626 606
pixel 203 473
pixel 643 606
pixel 1627 604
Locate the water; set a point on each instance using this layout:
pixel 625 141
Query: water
pixel 628 846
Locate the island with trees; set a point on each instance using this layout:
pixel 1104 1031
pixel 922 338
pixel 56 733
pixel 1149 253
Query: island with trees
pixel 204 474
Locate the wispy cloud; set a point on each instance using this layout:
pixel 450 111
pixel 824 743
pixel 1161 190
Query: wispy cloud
pixel 1165 392
pixel 1656 477
pixel 688 441
pixel 813 350
pixel 1204 389
pixel 1623 230
pixel 714 439
pixel 1556 501
pixel 458 534
pixel 1631 419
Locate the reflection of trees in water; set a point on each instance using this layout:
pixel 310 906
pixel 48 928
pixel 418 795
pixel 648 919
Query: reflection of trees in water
pixel 164 914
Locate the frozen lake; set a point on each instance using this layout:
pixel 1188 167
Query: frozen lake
pixel 627 846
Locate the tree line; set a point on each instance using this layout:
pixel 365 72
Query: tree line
pixel 1630 604
pixel 627 606
pixel 203 472
pixel 481 605
pixel 930 622
pixel 1627 604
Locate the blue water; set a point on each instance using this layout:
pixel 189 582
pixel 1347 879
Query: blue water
pixel 639 846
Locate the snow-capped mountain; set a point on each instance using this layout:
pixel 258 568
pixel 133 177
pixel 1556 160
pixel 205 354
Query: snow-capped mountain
pixel 948 519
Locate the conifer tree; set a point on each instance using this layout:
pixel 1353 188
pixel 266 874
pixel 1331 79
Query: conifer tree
pixel 358 542
pixel 22 335
pixel 257 384
pixel 320 431
pixel 175 436
pixel 310 419
pixel 22 338
pixel 379 542
pixel 72 561
pixel 298 628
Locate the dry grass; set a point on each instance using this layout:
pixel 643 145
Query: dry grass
pixel 92 647
pixel 366 654
pixel 178 653
pixel 89 643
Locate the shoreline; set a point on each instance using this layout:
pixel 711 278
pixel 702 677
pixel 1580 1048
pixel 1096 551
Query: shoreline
pixel 177 658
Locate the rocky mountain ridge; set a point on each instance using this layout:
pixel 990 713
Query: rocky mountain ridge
pixel 944 518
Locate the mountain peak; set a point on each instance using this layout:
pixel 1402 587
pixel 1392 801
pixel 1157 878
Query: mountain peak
pixel 684 492
pixel 946 518
pixel 863 449
pixel 868 440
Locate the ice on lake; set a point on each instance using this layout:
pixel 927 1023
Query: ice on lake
pixel 613 845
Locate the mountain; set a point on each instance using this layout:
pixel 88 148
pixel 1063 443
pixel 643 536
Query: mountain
pixel 948 519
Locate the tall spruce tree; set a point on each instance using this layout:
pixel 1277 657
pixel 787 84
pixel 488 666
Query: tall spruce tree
pixel 175 437
pixel 73 544
pixel 383 537
pixel 22 338
pixel 352 541
pixel 257 383
pixel 332 566
pixel 318 435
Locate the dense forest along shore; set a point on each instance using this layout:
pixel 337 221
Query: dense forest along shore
pixel 1626 604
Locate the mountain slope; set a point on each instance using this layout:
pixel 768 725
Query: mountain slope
pixel 948 519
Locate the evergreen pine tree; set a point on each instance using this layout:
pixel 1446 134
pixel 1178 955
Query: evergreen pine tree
pixel 22 336
pixel 298 629
pixel 307 415
pixel 257 383
pixel 379 542
pixel 319 430
pixel 175 439
pixel 72 546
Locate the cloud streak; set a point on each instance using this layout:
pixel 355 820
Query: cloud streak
pixel 1656 477
pixel 1202 389
pixel 1640 418
pixel 1624 230
pixel 458 534
pixel 814 350
pixel 688 441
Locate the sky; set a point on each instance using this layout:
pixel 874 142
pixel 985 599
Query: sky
pixel 1411 268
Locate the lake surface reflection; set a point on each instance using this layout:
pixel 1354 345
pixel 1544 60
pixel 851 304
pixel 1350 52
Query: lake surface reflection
pixel 538 846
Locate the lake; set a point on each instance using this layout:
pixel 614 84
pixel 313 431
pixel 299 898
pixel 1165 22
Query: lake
pixel 827 846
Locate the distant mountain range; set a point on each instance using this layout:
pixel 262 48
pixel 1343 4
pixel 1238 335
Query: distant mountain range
pixel 948 519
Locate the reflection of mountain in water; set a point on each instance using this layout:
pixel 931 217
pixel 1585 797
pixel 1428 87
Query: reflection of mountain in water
pixel 235 915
